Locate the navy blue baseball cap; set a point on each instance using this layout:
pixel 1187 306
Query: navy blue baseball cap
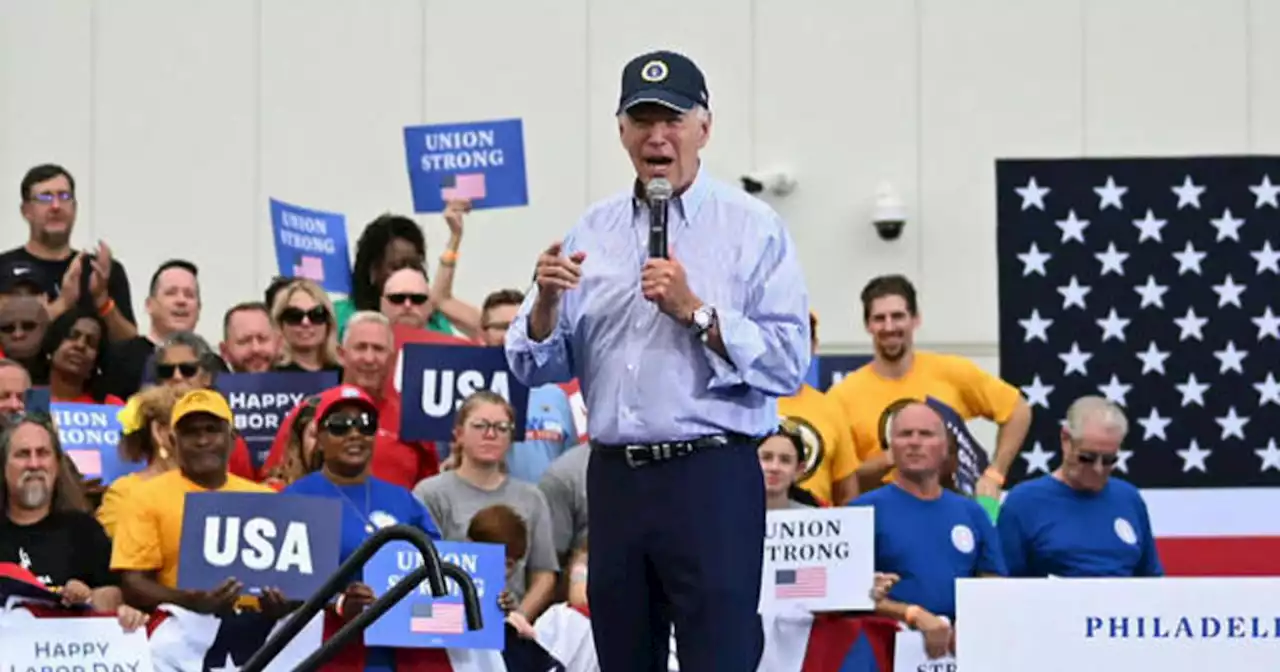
pixel 665 78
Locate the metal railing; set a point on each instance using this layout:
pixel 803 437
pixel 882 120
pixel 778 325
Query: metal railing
pixel 433 571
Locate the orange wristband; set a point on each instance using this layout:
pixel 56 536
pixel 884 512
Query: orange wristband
pixel 107 307
pixel 912 615
pixel 994 475
pixel 449 257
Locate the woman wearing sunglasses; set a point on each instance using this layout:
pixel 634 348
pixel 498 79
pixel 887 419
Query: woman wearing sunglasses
pixel 70 360
pixel 346 420
pixel 304 315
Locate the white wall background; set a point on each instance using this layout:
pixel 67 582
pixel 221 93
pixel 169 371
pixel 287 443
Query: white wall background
pixel 181 117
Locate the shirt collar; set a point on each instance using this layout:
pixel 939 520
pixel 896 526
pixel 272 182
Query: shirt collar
pixel 686 203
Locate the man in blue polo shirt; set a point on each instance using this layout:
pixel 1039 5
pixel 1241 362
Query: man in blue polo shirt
pixel 926 534
pixel 1079 521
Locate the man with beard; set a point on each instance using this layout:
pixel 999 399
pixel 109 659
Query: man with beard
pixel 23 320
pixel 899 372
pixel 47 528
pixel 148 536
pixel 49 205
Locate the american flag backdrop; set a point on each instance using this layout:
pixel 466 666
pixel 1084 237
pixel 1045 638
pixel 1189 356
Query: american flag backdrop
pixel 1155 283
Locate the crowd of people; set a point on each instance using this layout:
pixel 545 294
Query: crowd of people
pixel 67 324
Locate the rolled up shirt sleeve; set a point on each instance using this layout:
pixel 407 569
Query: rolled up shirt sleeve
pixel 537 363
pixel 769 343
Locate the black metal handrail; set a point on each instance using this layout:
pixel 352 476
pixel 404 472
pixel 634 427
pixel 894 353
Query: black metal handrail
pixel 433 571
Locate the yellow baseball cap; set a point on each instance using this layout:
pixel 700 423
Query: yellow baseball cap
pixel 201 401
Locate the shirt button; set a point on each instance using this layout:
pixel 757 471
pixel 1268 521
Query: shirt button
pixel 631 367
pixel 639 325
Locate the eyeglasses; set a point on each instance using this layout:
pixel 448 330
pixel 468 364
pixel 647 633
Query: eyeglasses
pixel 399 299
pixel 341 425
pixel 187 369
pixel 1109 460
pixel 21 325
pixel 484 426
pixel 48 197
pixel 498 326
pixel 295 316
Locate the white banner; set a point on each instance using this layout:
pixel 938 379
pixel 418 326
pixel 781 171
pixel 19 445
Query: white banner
pixel 1118 625
pixel 86 644
pixel 909 655
pixel 818 559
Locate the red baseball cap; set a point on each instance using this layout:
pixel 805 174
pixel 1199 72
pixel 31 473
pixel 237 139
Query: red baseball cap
pixel 350 394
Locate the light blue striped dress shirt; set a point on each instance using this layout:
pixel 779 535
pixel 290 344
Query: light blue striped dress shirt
pixel 646 377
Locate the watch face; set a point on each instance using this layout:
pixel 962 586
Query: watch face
pixel 702 318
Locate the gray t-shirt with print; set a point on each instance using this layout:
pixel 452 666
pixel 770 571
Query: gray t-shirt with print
pixel 564 484
pixel 453 502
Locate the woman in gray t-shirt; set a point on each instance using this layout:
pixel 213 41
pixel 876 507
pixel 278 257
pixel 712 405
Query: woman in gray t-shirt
pixel 481 438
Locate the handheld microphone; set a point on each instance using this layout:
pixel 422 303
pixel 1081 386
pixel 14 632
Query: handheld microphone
pixel 658 192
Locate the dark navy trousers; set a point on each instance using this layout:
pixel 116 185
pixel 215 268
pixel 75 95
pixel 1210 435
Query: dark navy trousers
pixel 677 542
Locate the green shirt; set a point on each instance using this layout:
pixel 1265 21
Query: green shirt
pixel 345 308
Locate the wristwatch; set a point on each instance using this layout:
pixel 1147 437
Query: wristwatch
pixel 704 318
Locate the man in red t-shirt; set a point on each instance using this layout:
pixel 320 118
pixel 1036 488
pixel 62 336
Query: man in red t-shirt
pixel 368 355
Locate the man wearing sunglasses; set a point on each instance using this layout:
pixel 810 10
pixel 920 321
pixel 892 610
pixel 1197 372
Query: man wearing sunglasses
pixel 23 321
pixel 49 205
pixel 1079 521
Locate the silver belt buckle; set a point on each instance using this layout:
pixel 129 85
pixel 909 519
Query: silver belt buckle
pixel 628 452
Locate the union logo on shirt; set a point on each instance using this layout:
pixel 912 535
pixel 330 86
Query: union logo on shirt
pixel 542 429
pixel 815 449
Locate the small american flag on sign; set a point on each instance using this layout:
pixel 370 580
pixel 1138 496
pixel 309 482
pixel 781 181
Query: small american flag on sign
pixel 435 618
pixel 469 187
pixel 89 462
pixel 309 267
pixel 801 582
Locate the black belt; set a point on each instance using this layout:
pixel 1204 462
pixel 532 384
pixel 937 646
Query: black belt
pixel 642 454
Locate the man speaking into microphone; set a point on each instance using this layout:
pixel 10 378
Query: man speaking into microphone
pixel 680 306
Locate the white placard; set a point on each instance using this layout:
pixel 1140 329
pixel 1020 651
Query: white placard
pixel 909 655
pixel 1118 625
pixel 96 644
pixel 819 559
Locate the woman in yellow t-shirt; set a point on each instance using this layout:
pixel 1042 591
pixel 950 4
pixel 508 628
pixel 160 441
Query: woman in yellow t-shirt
pixel 144 437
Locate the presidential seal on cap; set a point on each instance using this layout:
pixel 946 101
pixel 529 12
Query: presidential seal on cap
pixel 663 78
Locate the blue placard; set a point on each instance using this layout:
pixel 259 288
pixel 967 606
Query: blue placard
pixel 481 161
pixel 833 368
pixel 420 620
pixel 263 540
pixel 90 436
pixel 813 376
pixel 312 244
pixel 260 402
pixel 438 378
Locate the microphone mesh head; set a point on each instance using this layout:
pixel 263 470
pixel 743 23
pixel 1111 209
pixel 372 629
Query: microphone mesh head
pixel 658 189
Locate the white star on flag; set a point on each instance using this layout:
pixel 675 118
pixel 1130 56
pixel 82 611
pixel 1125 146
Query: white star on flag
pixel 1072 227
pixel 1232 424
pixel 1192 391
pixel 1075 361
pixel 1189 259
pixel 1193 457
pixel 1227 226
pixel 1073 294
pixel 1268 390
pixel 1036 327
pixel 1152 294
pixel 1153 426
pixel 1032 195
pixel 1113 326
pixel 1037 393
pixel 1268 325
pixel 1112 260
pixel 1267 258
pixel 1270 456
pixel 1153 359
pixel 1109 194
pixel 1115 390
pixel 1149 227
pixel 1191 325
pixel 1188 194
pixel 1266 193
pixel 1033 260
pixel 1037 458
pixel 1230 358
pixel 1229 293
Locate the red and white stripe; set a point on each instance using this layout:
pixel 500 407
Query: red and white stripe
pixel 1217 531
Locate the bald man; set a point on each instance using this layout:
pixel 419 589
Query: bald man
pixel 1079 521
pixel 406 298
pixel 925 533
pixel 23 320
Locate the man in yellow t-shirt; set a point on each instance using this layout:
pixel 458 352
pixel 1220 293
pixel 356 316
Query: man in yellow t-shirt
pixel 149 534
pixel 898 372
pixel 831 459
